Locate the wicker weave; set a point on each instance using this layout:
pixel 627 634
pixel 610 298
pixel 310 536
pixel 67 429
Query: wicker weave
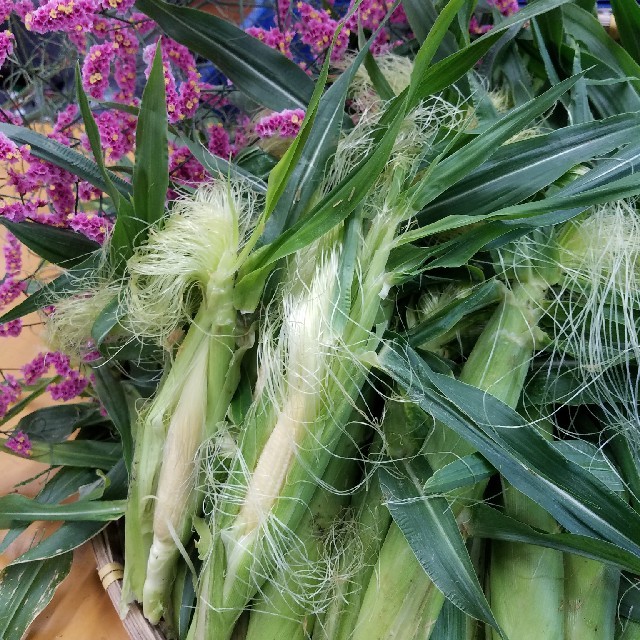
pixel 106 550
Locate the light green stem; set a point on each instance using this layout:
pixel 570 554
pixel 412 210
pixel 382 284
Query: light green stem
pixel 591 594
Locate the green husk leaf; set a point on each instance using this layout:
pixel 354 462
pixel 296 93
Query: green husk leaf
pixel 281 173
pixel 112 486
pixel 421 15
pixel 581 25
pixel 573 496
pixel 330 211
pixel 431 530
pixel 451 624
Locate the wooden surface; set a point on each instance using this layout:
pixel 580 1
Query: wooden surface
pixel 80 610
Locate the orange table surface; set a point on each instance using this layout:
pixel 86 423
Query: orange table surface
pixel 80 609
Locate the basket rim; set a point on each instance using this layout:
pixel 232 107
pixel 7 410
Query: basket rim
pixel 109 565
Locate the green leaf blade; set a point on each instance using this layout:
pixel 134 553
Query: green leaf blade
pixel 432 532
pixel 26 590
pixel 63 247
pixel 61 156
pixel 260 72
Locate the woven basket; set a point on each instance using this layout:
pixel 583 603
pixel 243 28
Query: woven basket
pixel 106 548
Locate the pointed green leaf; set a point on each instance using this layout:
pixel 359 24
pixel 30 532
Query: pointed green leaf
pixel 437 33
pixel 452 169
pixel 623 163
pixel 114 400
pixel 17 508
pixel 68 537
pixel 464 472
pixel 521 169
pixel 321 144
pixel 421 15
pixel 91 129
pixel 573 496
pixel 151 170
pixel 260 72
pixel 76 453
pixel 281 173
pixel 431 530
pixel 486 522
pixel 63 247
pixel 107 320
pixel 63 157
pixel 26 590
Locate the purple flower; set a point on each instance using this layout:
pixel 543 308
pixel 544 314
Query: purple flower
pixel 6 45
pixel 72 386
pixel 34 370
pixel 62 15
pixel 283 123
pixel 11 329
pixel 10 289
pixel 19 443
pixel 219 141
pixel 91 225
pixel 9 152
pixel 10 391
pixel 96 69
pixel 12 255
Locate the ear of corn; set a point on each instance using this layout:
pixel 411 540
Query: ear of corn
pixel 196 249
